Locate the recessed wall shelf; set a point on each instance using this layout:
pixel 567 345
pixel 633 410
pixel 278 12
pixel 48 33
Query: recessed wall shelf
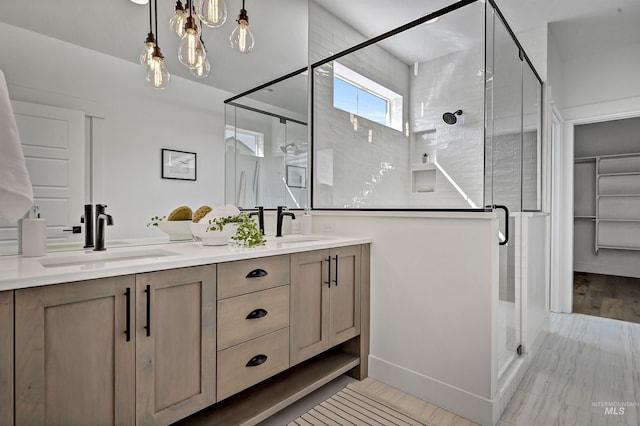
pixel 609 186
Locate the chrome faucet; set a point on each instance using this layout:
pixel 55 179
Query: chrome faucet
pixel 281 214
pixel 102 220
pixel 258 211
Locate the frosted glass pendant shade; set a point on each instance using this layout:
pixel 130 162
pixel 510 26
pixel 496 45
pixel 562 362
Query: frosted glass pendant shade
pixel 241 38
pixel 212 13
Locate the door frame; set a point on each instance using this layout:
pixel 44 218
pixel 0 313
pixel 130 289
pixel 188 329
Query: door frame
pixel 562 287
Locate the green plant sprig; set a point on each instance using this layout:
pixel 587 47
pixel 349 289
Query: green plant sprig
pixel 155 220
pixel 248 234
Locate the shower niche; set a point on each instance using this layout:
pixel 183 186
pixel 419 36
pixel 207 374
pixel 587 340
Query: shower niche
pixel 423 165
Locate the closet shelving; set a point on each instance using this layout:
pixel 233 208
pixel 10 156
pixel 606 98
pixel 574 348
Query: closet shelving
pixel 616 199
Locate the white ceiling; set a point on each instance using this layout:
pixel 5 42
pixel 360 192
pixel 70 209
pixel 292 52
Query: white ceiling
pixel 118 28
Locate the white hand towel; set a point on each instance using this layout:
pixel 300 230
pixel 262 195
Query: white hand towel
pixel 16 194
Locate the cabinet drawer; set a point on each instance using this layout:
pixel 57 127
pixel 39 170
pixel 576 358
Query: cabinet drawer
pixel 269 354
pixel 252 315
pixel 247 276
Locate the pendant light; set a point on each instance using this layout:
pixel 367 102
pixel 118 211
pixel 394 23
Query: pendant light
pixel 177 21
pixel 241 38
pixel 157 73
pixel 212 13
pixel 149 44
pixel 202 69
pixel 203 66
pixel 190 49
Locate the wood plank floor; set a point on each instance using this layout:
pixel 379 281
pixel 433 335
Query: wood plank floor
pixel 372 403
pixel 586 372
pixel 586 367
pixel 607 296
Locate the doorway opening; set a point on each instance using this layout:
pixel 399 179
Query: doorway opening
pixel 607 219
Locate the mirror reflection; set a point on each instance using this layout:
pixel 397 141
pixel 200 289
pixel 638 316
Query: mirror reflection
pixel 267 146
pixel 120 122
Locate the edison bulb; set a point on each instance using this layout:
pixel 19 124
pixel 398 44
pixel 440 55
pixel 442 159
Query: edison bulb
pixel 202 69
pixel 147 51
pixel 241 38
pixel 177 21
pixel 190 49
pixel 158 74
pixel 212 13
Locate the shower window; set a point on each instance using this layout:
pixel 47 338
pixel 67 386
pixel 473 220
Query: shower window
pixel 249 142
pixel 359 95
pixel 465 116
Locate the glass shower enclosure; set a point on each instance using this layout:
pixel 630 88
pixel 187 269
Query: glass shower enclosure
pixel 267 145
pixel 438 114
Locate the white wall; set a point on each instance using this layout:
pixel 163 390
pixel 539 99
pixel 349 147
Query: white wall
pixel 434 284
pixel 606 76
pixel 138 122
pixel 447 84
pixel 588 88
pixel 354 159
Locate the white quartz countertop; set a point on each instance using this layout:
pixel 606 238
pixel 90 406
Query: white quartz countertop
pixel 21 272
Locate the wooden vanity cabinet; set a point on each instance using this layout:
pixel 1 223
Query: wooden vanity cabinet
pixel 325 300
pixel 175 343
pixel 73 362
pixel 124 350
pixel 253 322
pixel 6 358
pixel 157 347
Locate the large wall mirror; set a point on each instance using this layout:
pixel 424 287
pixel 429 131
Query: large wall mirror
pixel 53 57
pixel 267 145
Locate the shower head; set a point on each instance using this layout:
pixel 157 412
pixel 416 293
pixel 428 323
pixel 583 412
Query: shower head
pixel 450 117
pixel 292 148
pixel 285 148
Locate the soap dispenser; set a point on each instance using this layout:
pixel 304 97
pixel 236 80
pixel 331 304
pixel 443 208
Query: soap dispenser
pixel 34 234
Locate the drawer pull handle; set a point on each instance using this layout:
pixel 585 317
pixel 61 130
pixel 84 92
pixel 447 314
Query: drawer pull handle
pixel 258 313
pixel 257 273
pixel 257 360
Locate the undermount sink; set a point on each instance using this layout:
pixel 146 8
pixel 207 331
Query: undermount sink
pixel 92 259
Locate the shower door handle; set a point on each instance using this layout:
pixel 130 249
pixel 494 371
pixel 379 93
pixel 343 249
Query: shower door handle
pixel 506 222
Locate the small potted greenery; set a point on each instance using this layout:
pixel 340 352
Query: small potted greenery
pixel 240 230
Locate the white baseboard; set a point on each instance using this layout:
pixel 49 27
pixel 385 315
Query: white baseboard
pixel 459 401
pixel 463 403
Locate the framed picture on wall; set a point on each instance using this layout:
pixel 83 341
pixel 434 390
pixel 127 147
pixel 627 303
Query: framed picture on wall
pixel 178 164
pixel 296 177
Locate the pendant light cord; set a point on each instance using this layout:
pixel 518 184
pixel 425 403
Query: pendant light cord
pixel 150 23
pixel 156 7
